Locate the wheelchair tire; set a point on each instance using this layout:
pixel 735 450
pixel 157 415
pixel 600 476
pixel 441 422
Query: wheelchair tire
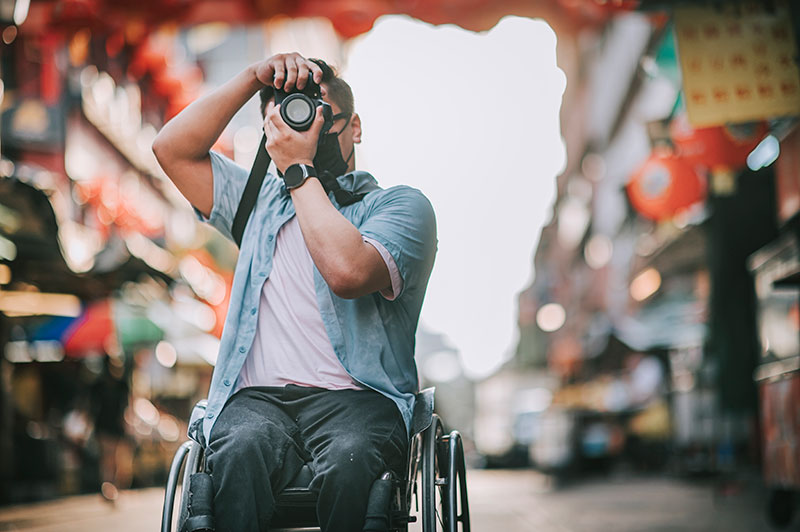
pixel 435 504
pixel 172 484
pixel 458 505
pixel 193 465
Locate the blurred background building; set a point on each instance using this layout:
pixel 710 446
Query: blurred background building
pixel 661 329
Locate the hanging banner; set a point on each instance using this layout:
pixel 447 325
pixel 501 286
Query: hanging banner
pixel 738 63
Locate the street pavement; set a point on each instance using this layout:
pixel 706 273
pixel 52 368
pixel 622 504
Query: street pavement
pixel 500 501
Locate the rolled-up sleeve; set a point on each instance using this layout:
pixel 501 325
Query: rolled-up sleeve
pixel 229 182
pixel 391 293
pixel 402 220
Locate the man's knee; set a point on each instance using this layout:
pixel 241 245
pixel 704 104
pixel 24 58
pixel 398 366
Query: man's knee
pixel 247 446
pixel 350 457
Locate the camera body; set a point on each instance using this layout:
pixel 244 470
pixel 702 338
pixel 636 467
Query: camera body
pixel 299 106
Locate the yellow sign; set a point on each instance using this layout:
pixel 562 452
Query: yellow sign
pixel 738 63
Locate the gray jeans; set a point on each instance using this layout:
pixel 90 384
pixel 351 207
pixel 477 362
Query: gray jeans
pixel 265 434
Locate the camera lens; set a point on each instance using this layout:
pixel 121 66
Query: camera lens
pixel 298 111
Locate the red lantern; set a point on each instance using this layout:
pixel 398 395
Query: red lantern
pixel 663 186
pixel 724 147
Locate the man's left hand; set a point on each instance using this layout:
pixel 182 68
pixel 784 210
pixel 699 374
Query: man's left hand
pixel 287 146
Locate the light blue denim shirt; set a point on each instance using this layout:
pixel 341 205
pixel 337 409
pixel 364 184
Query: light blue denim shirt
pixel 372 337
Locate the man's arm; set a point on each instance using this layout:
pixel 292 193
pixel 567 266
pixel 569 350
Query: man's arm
pixel 182 145
pixel 351 267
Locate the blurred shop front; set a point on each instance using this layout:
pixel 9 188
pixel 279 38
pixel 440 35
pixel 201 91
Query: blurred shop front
pixel 112 295
pixel 776 269
pixel 665 290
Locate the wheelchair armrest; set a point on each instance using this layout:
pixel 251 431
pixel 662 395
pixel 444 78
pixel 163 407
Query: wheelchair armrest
pixel 195 429
pixel 423 411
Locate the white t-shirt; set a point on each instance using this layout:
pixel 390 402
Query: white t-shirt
pixel 291 345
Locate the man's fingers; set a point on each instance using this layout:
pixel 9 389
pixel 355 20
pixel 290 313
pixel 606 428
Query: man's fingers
pixel 265 73
pixel 270 130
pixel 291 75
pixel 302 75
pixel 277 121
pixel 280 74
pixel 316 126
pixel 316 70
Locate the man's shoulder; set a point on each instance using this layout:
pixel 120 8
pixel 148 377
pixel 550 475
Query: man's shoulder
pixel 402 200
pixel 397 193
pixel 224 167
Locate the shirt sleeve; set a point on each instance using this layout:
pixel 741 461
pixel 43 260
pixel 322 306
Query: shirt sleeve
pixel 229 182
pixel 391 293
pixel 402 220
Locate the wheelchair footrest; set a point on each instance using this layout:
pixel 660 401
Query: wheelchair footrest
pixel 380 495
pixel 201 504
pixel 199 523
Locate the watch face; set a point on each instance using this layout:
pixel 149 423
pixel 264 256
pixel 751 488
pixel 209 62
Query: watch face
pixel 297 174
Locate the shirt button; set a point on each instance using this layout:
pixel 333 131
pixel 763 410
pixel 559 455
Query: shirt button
pixel 226 382
pixel 242 349
pixel 253 311
pixel 262 274
pixel 210 415
pixel 269 238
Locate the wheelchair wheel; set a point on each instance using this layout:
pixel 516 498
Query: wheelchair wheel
pixel 187 460
pixel 193 465
pixel 435 501
pixel 457 503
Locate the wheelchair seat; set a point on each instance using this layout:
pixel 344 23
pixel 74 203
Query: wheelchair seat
pixel 436 461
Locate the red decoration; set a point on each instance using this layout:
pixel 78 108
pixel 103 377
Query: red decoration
pixel 113 207
pixel 92 331
pixel 663 186
pixel 179 102
pixel 349 17
pixel 723 147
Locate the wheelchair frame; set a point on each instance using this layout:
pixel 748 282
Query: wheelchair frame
pixel 436 472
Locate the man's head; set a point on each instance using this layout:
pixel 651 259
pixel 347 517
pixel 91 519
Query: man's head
pixel 336 92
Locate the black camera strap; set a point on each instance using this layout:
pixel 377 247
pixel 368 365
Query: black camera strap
pixel 257 174
pixel 256 178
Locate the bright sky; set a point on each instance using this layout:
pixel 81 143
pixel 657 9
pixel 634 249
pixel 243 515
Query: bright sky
pixel 472 120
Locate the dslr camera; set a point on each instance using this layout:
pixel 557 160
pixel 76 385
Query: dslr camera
pixel 299 106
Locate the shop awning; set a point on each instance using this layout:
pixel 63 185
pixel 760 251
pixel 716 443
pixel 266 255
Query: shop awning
pixel 30 246
pixel 670 322
pixel 349 17
pixel 102 325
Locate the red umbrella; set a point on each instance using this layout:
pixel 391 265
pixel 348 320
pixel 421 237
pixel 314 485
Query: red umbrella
pixel 92 331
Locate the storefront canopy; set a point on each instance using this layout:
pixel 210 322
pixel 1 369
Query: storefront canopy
pixel 349 17
pixel 31 248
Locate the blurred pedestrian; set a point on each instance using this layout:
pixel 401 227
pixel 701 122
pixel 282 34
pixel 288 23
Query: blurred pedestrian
pixel 109 399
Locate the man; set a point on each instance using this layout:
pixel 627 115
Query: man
pixel 318 343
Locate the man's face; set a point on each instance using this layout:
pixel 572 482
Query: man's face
pixel 349 130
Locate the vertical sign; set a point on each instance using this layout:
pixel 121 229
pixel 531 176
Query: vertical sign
pixel 738 63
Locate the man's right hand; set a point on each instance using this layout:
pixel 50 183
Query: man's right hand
pixel 284 71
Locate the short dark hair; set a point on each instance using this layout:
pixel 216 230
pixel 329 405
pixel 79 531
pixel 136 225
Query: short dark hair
pixel 338 89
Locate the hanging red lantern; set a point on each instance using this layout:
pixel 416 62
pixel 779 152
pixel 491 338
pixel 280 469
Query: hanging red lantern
pixel 664 185
pixel 719 147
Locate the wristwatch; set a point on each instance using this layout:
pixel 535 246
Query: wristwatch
pixel 297 174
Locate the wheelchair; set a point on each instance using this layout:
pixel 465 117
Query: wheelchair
pixel 436 474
